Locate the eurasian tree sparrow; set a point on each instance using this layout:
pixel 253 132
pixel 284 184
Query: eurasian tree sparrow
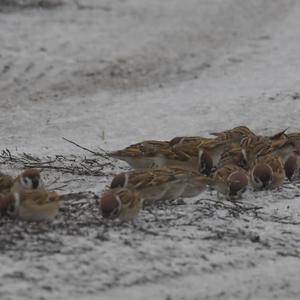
pixel 231 181
pixel 34 205
pixel 120 203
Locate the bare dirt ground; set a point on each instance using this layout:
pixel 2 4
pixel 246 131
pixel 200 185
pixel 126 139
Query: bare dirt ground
pixel 110 73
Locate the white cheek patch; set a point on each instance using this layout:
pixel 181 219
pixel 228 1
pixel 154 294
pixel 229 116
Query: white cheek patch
pixel 41 183
pixel 126 181
pixel 26 182
pixel 252 176
pixel 119 204
pixel 17 199
pixel 244 154
pixel 200 156
pixel 13 209
pixel 119 201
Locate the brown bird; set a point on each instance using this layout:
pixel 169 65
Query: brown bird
pixel 254 147
pixel 195 185
pixel 283 147
pixel 267 172
pixel 6 182
pixel 294 137
pixel 34 205
pixel 155 184
pixel 292 164
pixel 147 154
pixel 234 135
pixel 154 154
pixel 120 203
pixel 278 136
pixel 186 140
pixel 6 200
pixel 203 156
pixel 233 155
pixel 29 179
pixel 231 181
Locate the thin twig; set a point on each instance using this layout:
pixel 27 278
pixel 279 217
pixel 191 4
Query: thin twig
pixel 86 149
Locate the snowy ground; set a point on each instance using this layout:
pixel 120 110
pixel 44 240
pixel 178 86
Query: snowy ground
pixel 107 74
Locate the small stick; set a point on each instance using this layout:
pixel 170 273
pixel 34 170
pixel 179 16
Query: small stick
pixel 86 149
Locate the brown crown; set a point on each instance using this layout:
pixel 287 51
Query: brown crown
pixel 31 173
pixel 263 172
pixel 118 181
pixel 108 204
pixel 237 181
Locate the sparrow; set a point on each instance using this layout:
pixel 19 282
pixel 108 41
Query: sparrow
pixel 283 147
pixel 6 182
pixel 120 203
pixel 153 154
pixel 254 147
pixel 195 185
pixel 33 205
pixel 233 155
pixel 29 179
pixel 154 184
pixel 231 181
pixel 279 135
pixel 147 154
pixel 187 139
pixel 267 172
pixel 6 200
pixel 234 135
pixel 292 164
pixel 202 156
pixel 294 137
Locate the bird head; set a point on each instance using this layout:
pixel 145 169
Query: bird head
pixel 262 175
pixel 110 205
pixel 31 179
pixel 237 184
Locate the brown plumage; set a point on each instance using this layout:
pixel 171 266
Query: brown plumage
pixel 120 203
pixel 231 181
pixel 254 147
pixel 283 147
pixel 6 200
pixel 233 155
pixel 145 148
pixel 234 135
pixel 196 185
pixel 187 139
pixel 292 164
pixel 154 184
pixel 35 205
pixel 279 135
pixel 261 176
pixel 294 137
pixel 6 182
pixel 29 179
pixel 267 172
pixel 147 154
pixel 202 155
